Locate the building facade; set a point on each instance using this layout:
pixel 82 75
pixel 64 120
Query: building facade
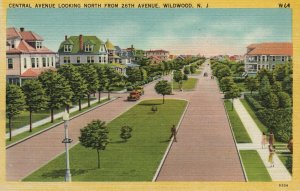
pixel 267 55
pixel 163 55
pixel 26 55
pixel 82 49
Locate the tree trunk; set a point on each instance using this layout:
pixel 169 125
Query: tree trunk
pixel 163 99
pixel 99 96
pixel 30 121
pixel 109 94
pixel 79 104
pixel 232 105
pixel 52 115
pixel 98 158
pixel 89 104
pixel 10 127
pixel 68 108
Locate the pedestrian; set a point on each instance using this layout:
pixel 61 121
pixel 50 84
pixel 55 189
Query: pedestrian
pixel 271 155
pixel 263 140
pixel 271 138
pixel 173 133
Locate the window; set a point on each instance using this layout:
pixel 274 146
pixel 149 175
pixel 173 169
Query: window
pixel 52 61
pixel 67 48
pixel 273 58
pixel 88 59
pixel 10 64
pixel 273 66
pixel 37 62
pixel 282 58
pixel 104 59
pixel 33 62
pixel 100 59
pixel 259 67
pixel 38 44
pixel 78 59
pixel 12 44
pixel 25 63
pixel 67 59
pixel 44 62
pixel 267 66
pixel 48 61
pixel 88 48
pixel 92 59
pixel 263 58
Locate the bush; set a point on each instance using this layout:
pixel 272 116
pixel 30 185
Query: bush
pixel 239 80
pixel 186 70
pixel 255 105
pixel 284 100
pixel 185 77
pixel 289 164
pixel 129 88
pixel 271 101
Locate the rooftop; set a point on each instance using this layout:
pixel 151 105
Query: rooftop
pixel 271 48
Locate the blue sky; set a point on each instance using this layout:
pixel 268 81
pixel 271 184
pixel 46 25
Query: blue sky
pixel 181 31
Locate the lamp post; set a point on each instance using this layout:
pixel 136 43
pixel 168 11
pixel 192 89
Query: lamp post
pixel 66 141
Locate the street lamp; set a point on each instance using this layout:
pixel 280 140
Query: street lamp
pixel 66 141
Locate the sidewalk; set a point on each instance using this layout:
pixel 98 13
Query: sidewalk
pixel 48 119
pixel 277 173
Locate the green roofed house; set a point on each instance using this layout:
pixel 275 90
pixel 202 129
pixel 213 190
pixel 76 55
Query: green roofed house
pixel 82 49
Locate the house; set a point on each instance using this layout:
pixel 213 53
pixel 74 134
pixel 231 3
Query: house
pixel 154 60
pixel 267 55
pixel 26 55
pixel 82 49
pixel 112 53
pixel 163 55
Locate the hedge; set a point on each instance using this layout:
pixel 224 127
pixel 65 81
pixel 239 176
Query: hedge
pixel 255 105
pixel 239 80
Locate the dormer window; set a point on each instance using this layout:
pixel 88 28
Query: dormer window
pixel 12 44
pixel 38 44
pixel 67 48
pixel 88 48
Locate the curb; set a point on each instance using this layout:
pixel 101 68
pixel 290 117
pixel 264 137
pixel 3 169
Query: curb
pixel 235 143
pixel 59 123
pixel 170 144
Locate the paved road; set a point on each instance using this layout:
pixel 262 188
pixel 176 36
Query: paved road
pixel 205 150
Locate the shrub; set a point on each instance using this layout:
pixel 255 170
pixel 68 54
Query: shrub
pixel 284 100
pixel 129 88
pixel 255 105
pixel 271 101
pixel 125 132
pixel 185 77
pixel 289 164
pixel 239 80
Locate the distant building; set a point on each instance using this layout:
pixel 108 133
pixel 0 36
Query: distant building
pixel 82 49
pixel 26 55
pixel 163 55
pixel 113 53
pixel 267 55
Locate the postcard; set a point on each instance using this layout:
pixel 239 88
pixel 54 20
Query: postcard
pixel 160 95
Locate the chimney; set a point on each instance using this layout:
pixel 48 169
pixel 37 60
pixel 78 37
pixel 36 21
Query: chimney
pixel 22 29
pixel 66 37
pixel 132 46
pixel 80 42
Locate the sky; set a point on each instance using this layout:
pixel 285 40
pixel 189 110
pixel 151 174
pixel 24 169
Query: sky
pixel 181 31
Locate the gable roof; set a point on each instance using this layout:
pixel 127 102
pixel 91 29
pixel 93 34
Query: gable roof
pixel 109 45
pixel 35 72
pixel 271 48
pixel 76 46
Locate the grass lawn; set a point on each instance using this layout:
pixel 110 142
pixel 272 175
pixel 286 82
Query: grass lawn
pixel 238 128
pixel 198 71
pixel 189 84
pixel 283 159
pixel 46 125
pixel 22 119
pixel 261 126
pixel 254 166
pixel 134 160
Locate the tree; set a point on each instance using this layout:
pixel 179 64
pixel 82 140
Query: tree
pixel 102 78
pixel 134 75
pixel 15 103
pixel 265 73
pixel 271 101
pixel 276 87
pixel 113 78
pixel 164 88
pixel 251 84
pixel 226 83
pixel 35 98
pixel 89 74
pixel 185 77
pixel 178 77
pixel 186 70
pixel 192 69
pixel 287 84
pixel 76 81
pixel 223 72
pixel 284 100
pixel 264 87
pixel 57 89
pixel 125 132
pixel 233 93
pixel 95 136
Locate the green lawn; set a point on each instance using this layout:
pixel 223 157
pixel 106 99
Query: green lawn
pixel 22 119
pixel 284 159
pixel 238 128
pixel 134 160
pixel 198 71
pixel 261 126
pixel 189 84
pixel 254 166
pixel 47 125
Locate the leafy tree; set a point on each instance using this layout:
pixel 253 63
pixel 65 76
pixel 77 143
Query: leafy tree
pixel 264 87
pixel 89 74
pixel 276 87
pixel 15 103
pixel 226 83
pixel 95 136
pixel 167 66
pixel 233 93
pixel 223 72
pixel 287 84
pixel 178 77
pixel 271 101
pixel 280 72
pixel 35 98
pixel 57 89
pixel 185 77
pixel 144 74
pixel 125 132
pixel 76 81
pixel 251 84
pixel 134 75
pixel 265 73
pixel 102 78
pixel 192 69
pixel 186 70
pixel 113 78
pixel 284 100
pixel 164 88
